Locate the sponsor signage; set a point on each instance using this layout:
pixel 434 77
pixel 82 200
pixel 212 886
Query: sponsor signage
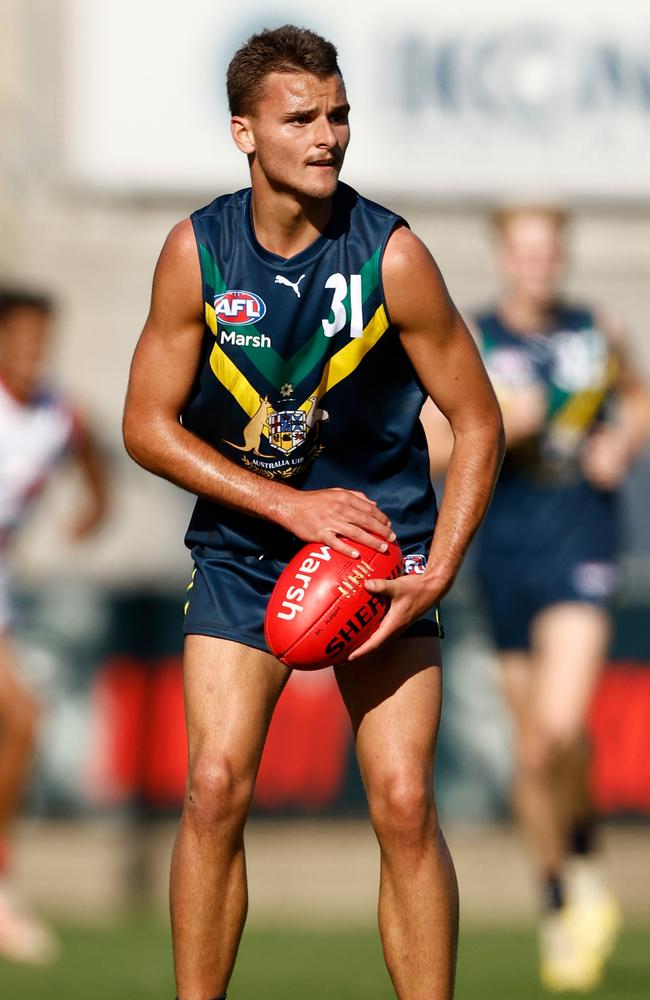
pixel 480 100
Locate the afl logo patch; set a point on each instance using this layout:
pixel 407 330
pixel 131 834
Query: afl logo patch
pixel 415 564
pixel 239 308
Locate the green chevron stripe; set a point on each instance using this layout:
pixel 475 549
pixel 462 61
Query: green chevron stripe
pixel 277 370
pixel 211 272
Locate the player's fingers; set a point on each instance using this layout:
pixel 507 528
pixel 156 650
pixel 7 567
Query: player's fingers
pixel 371 518
pixel 332 538
pixel 369 507
pixel 380 586
pixel 368 538
pixel 358 521
pixel 389 629
pixel 362 496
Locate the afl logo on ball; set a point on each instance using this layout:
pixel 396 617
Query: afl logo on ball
pixel 238 308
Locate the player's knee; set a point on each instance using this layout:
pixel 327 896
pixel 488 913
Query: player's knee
pixel 562 737
pixel 402 808
pixel 545 748
pixel 216 793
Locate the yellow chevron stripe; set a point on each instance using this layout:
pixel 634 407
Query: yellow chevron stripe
pixel 229 374
pixel 233 380
pixel 344 362
pixel 211 317
pixel 580 410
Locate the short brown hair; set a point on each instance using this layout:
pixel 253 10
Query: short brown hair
pixel 505 214
pixel 12 299
pixel 278 50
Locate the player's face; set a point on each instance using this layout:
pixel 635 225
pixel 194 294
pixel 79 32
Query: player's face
pixel 532 257
pixel 23 349
pixel 298 133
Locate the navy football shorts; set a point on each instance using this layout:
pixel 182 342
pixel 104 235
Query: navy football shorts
pixel 228 594
pixel 517 587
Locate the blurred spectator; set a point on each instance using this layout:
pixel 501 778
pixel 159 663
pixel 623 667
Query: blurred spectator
pixel 575 415
pixel 38 428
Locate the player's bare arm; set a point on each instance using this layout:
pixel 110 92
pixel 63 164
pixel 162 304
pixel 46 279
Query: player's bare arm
pixel 448 364
pixel 162 374
pixel 612 447
pixel 88 459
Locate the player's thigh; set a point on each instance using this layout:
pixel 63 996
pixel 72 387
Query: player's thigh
pixel 517 679
pixel 230 693
pixel 394 700
pixel 570 642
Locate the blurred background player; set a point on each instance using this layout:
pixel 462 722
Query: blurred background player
pixel 38 428
pixel 575 416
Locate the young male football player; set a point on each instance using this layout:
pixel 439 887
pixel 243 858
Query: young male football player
pixel 38 428
pixel 295 329
pixel 575 415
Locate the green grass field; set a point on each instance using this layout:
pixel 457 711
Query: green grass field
pixel 132 961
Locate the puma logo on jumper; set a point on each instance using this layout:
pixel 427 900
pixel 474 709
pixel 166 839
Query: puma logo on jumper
pixel 281 280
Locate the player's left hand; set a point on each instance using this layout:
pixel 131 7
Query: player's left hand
pixel 410 596
pixel 605 458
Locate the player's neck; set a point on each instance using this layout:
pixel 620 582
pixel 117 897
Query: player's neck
pixel 524 314
pixel 286 224
pixel 14 389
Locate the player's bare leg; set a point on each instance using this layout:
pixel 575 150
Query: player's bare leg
pixel 569 645
pixel 230 693
pixel 548 692
pixel 549 697
pixel 394 700
pixel 23 937
pixel 17 729
pixel 533 795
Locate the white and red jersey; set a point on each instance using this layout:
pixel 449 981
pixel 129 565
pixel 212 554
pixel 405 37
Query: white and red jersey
pixel 33 437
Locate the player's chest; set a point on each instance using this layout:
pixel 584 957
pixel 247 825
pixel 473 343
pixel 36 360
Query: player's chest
pixel 29 443
pixel 287 308
pixel 570 361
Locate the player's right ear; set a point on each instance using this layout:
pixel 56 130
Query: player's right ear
pixel 240 129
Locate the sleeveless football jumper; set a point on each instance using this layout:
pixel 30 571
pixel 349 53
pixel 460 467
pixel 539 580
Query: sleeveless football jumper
pixel 549 536
pixel 302 379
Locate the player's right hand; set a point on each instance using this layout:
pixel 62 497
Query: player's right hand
pixel 606 458
pixel 524 411
pixel 329 516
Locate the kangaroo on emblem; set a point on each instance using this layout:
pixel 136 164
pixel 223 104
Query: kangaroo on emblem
pixel 254 429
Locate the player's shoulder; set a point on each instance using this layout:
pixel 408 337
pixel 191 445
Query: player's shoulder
pixel 180 240
pixel 584 317
pixel 182 237
pixel 577 315
pixel 407 257
pixel 485 325
pixel 54 404
pixel 52 397
pixel 349 198
pixel 220 207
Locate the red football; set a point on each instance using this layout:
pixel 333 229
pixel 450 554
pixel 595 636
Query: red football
pixel 320 610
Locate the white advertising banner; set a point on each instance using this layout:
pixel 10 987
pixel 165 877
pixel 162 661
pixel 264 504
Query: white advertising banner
pixel 470 99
